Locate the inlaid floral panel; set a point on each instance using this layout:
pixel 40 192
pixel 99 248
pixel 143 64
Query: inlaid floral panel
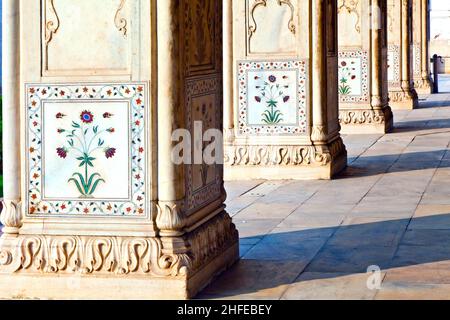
pixel 353 76
pixel 86 150
pixel 272 97
pixel 393 65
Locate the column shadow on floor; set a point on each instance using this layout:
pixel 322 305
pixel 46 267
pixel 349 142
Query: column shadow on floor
pixel 280 259
pixel 434 100
pixel 364 166
pixel 421 125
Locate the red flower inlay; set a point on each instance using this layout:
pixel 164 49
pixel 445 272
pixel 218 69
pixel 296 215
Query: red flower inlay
pixel 87 116
pixel 62 152
pixel 110 152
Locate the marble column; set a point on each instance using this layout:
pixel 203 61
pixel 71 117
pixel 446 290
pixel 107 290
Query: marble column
pixel 363 91
pixel 284 108
pixel 11 214
pixel 111 209
pixel 421 65
pixel 402 94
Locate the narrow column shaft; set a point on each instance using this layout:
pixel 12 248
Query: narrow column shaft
pixel 319 85
pixel 228 114
pixel 376 55
pixel 10 87
pixel 170 175
pixel 405 45
pixel 11 214
pixel 424 37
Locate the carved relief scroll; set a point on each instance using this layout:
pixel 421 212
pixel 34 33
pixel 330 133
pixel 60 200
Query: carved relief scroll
pixel 274 19
pixel 51 21
pixel 351 6
pixel 99 29
pixel 119 20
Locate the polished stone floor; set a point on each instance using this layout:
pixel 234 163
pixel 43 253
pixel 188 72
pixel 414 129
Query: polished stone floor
pixel 316 239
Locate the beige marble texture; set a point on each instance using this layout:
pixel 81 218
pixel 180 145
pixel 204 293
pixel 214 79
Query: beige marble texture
pixel 389 208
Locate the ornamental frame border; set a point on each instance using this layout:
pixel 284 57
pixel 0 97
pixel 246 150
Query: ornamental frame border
pixel 302 104
pixel 144 142
pixel 365 94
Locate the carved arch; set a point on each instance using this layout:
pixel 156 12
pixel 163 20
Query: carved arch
pixel 352 7
pixel 253 26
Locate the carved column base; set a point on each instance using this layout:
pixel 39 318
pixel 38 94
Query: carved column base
pixel 423 86
pixel 11 216
pixel 76 267
pixel 403 100
pixel 366 121
pixel 301 162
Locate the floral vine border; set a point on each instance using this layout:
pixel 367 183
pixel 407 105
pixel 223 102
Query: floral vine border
pixel 392 48
pixel 198 87
pixel 417 58
pixel 36 95
pixel 300 66
pixel 364 75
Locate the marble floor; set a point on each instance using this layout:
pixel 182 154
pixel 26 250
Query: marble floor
pixel 389 210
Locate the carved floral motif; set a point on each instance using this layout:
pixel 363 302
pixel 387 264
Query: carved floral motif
pixel 92 255
pixel 347 117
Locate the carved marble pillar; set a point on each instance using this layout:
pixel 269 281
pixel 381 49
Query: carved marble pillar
pixel 402 94
pixel 363 91
pixel 421 65
pixel 108 211
pixel 284 110
pixel 11 214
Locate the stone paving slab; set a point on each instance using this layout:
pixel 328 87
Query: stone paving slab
pixel 389 209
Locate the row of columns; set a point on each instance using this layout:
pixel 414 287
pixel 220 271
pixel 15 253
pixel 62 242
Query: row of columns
pixel 382 62
pixel 285 72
